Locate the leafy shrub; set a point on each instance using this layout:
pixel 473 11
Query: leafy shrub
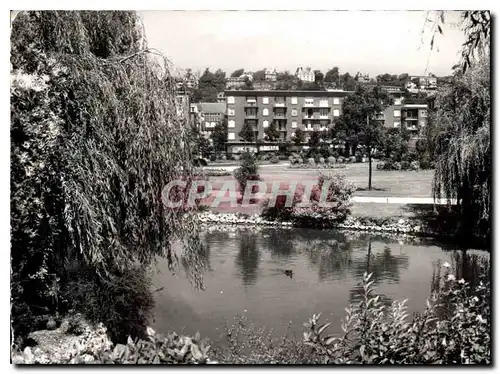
pixel 381 165
pixel 248 171
pixel 274 159
pixel 396 166
pixel 310 161
pixel 414 165
pixel 300 161
pixel 321 160
pixel 332 160
pixel 405 165
pixel 213 158
pixel 224 158
pixel 454 329
pixel 291 158
pixel 235 157
pixel 94 348
pixel 213 172
pixel 340 160
pixel 249 344
pixel 352 159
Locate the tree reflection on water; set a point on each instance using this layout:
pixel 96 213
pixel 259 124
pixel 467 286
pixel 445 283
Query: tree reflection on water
pixel 248 257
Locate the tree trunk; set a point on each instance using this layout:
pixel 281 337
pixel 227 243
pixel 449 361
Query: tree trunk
pixel 369 169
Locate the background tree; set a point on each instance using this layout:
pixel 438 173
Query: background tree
pixel 219 136
pixel 259 75
pixel 286 81
pixel 247 133
pixel 272 132
pixel 358 121
pixel 396 143
pixel 248 84
pixel 299 137
pixel 332 77
pixel 209 85
pixel 318 77
pixel 237 73
pixel 347 82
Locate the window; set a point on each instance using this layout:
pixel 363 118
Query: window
pixel 336 112
pixel 397 113
pixel 422 123
pixel 397 101
pixel 323 102
pixel 294 112
pixel 265 124
pixel 230 111
pixel 231 124
pixel 309 100
pixel 423 113
pixel 265 100
pixel 323 111
pixel 294 124
pixel 230 136
pixel 293 134
pixel 336 101
pixel 294 100
pixel 230 99
pixel 265 112
pixel 397 124
pixel 251 99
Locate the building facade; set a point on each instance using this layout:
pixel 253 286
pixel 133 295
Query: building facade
pixel 408 113
pixel 288 110
pixel 212 114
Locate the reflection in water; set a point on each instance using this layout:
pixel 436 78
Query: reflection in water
pixel 384 266
pixel 248 258
pixel 327 265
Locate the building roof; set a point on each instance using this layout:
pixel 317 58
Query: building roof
pixel 337 93
pixel 212 107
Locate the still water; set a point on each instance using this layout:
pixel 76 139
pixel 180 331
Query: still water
pixel 246 276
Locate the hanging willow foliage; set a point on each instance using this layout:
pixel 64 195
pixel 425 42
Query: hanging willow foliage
pixel 95 136
pixel 463 146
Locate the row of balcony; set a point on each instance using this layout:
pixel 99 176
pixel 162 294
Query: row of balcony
pixel 283 116
pixel 252 104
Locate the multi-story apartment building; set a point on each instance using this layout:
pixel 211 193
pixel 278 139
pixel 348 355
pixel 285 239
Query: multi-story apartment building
pixel 305 74
pixel 221 98
pixel 407 112
pixel 288 110
pixel 212 114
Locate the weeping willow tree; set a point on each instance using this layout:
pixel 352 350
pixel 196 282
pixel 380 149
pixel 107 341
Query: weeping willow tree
pixel 95 136
pixel 462 141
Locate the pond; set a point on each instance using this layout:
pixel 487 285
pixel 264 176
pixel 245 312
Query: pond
pixel 246 276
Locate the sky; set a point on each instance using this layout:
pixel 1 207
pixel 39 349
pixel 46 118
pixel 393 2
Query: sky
pixel 373 42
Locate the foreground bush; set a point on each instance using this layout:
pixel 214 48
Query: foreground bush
pixel 92 346
pixel 248 171
pixel 455 328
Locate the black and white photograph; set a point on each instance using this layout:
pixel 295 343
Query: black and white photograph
pixel 250 187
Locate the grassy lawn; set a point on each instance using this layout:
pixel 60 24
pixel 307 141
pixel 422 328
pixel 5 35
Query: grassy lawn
pixel 385 183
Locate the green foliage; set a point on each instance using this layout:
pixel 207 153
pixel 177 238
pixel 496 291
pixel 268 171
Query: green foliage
pixel 463 158
pixel 83 191
pixel 299 137
pixel 237 73
pixel 219 136
pixel 249 170
pixel 247 133
pixel 454 328
pixel 94 348
pixel 209 85
pixel 249 344
pixel 395 143
pixel 272 132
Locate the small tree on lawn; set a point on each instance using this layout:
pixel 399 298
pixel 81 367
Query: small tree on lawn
pixel 247 133
pixel 219 136
pixel 358 120
pixel 249 170
pixel 272 132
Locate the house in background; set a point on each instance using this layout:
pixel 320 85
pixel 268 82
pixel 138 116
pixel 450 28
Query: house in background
pixel 271 74
pixel 221 98
pixel 305 74
pixel 212 114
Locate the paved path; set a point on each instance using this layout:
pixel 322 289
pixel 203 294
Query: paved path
pixel 400 200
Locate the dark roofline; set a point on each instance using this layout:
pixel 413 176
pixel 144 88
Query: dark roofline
pixel 285 93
